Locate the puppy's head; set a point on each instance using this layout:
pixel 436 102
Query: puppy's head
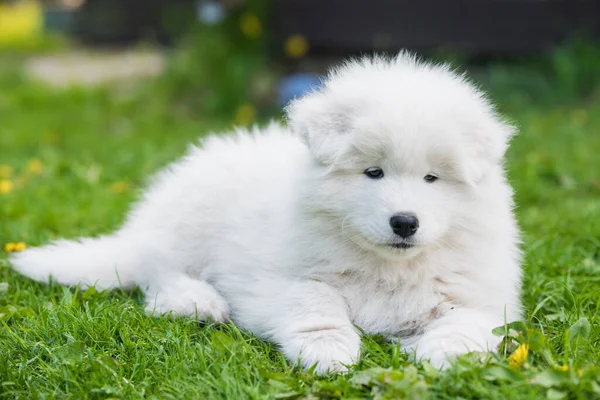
pixel 402 146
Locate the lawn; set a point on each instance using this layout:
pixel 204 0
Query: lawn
pixel 72 162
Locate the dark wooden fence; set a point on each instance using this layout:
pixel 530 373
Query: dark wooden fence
pixel 474 26
pixel 342 26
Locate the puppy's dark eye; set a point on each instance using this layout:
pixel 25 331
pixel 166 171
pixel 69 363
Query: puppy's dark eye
pixel 430 178
pixel 374 172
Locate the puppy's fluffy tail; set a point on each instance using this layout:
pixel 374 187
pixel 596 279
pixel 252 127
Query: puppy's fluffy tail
pixel 105 262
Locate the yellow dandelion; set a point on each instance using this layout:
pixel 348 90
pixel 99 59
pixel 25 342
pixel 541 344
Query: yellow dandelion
pixel 6 186
pixel 20 22
pixel 245 115
pixel 250 25
pixel 564 367
pixel 296 46
pixel 12 247
pixel 35 166
pixel 6 171
pixel 518 358
pixel 119 187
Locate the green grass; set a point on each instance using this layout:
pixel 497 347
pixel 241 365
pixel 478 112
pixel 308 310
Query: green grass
pixel 61 343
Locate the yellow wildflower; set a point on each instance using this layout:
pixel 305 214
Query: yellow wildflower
pixel 518 358
pixel 296 46
pixel 245 115
pixel 565 367
pixel 20 22
pixel 250 25
pixel 12 247
pixel 6 186
pixel 35 166
pixel 6 171
pixel 119 187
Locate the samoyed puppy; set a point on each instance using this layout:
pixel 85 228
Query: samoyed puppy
pixel 382 207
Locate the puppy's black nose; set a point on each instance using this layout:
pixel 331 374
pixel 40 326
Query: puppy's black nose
pixel 404 224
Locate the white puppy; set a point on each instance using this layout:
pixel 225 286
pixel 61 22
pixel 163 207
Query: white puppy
pixel 383 205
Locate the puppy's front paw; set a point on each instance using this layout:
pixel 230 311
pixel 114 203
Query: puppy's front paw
pixel 440 348
pixel 331 349
pixel 440 353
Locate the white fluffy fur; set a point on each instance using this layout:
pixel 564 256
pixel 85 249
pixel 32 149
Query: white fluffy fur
pixel 280 230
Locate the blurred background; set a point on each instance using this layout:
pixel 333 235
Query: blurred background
pixel 241 59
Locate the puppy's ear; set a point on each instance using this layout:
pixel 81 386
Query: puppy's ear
pixel 321 123
pixel 487 148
